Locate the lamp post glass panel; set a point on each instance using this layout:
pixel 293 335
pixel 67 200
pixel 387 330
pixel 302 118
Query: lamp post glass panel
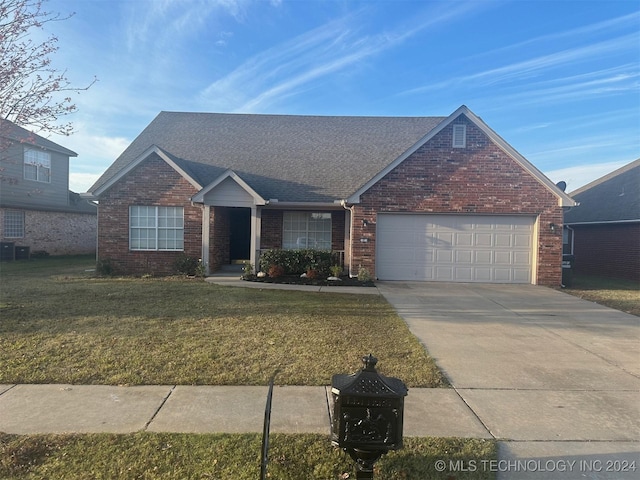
pixel 367 415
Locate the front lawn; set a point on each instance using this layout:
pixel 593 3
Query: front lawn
pixel 59 323
pixel 225 456
pixel 623 295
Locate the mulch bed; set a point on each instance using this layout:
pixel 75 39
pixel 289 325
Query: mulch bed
pixel 345 281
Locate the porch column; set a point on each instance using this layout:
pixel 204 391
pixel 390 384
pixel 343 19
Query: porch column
pixel 256 222
pixel 205 237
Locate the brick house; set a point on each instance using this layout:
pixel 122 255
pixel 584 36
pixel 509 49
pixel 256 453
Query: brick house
pixel 38 212
pixel 603 230
pixel 407 198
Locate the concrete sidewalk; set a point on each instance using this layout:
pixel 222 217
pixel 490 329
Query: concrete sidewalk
pixel 29 409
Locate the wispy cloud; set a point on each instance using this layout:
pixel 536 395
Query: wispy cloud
pixel 615 81
pixel 166 21
pixel 530 68
pixel 587 32
pixel 292 67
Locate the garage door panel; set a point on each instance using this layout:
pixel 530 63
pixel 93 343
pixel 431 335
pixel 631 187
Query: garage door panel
pixel 463 248
pixel 503 240
pixel 443 256
pixel 483 257
pixel 483 240
pixel 520 240
pixel 482 274
pixel 502 275
pixel 463 274
pixel 502 258
pixel 521 259
pixel 464 240
pixel 464 256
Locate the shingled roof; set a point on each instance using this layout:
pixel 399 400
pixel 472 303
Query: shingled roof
pixel 612 198
pixel 291 158
pixel 13 132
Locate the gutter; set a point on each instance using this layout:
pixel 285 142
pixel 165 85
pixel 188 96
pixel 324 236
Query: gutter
pixel 601 222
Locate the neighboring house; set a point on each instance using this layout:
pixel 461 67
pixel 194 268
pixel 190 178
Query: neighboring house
pixel 37 210
pixel 603 231
pixel 427 198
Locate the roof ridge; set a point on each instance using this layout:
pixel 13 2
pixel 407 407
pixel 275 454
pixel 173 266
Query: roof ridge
pixel 607 177
pixel 286 115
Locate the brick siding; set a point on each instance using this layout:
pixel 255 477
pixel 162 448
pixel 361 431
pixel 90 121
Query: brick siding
pixel 152 183
pixel 57 233
pixel 478 179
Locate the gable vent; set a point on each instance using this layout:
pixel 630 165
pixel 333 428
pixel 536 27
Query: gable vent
pixel 459 136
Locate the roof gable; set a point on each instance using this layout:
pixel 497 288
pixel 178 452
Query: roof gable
pixel 229 190
pixel 563 198
pixel 176 164
pixel 612 198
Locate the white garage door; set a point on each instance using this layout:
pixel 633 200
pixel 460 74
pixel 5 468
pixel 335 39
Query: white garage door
pixel 454 248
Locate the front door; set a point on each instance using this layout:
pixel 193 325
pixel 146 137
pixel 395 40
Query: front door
pixel 240 234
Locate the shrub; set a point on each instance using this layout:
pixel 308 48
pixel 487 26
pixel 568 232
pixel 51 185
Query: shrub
pixel 104 267
pixel 296 262
pixel 336 270
pixel 363 274
pixel 187 265
pixel 276 271
pixel 247 270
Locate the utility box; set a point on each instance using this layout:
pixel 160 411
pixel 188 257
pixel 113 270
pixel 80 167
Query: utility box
pixel 7 251
pixel 22 253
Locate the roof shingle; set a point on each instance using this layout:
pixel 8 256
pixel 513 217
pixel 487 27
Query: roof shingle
pixel 291 158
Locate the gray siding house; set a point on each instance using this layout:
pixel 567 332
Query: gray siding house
pixel 603 231
pixel 37 210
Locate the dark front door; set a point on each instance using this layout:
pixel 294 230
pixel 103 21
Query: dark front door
pixel 240 234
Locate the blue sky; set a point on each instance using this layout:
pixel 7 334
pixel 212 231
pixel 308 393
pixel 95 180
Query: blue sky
pixel 559 80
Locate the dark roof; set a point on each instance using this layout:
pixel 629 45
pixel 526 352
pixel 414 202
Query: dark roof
pixel 612 198
pixel 18 134
pixel 291 158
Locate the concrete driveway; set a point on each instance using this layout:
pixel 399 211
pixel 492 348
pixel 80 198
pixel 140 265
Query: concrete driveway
pixel 554 378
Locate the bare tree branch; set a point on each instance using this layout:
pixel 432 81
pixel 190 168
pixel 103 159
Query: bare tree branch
pixel 31 89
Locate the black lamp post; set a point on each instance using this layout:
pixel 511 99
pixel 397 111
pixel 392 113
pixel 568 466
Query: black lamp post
pixel 367 415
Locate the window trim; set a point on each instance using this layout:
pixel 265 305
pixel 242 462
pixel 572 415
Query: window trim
pixel 156 228
pixel 42 165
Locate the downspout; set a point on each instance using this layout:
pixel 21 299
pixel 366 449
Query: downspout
pixel 206 216
pixel 350 210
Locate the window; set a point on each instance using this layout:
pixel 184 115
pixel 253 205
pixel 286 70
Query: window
pixel 307 230
pixel 37 165
pixel 459 136
pixel 156 228
pixel 13 224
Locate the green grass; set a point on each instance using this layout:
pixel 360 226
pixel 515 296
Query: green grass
pixel 224 456
pixel 59 323
pixel 623 295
